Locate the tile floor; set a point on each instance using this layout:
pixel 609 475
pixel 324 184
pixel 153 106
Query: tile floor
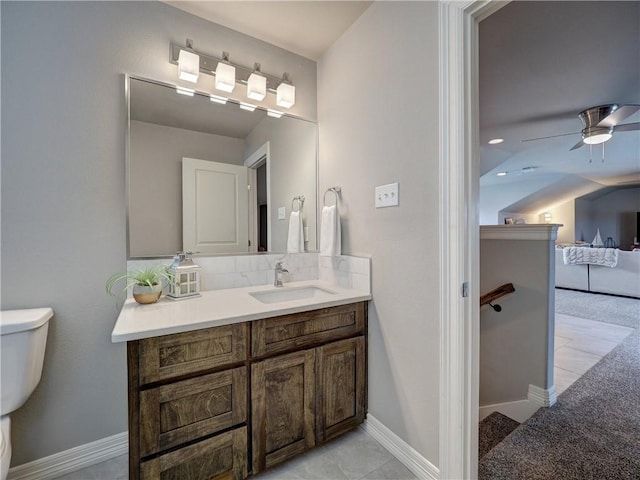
pixel 353 456
pixel 580 344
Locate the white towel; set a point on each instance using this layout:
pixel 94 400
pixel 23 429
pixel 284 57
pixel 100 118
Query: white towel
pixel 330 245
pixel 607 257
pixel 295 240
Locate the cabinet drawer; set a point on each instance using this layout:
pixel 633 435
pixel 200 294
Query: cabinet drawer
pixel 289 332
pixel 184 353
pixel 183 411
pixel 216 458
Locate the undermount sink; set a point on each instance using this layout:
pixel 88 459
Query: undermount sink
pixel 290 294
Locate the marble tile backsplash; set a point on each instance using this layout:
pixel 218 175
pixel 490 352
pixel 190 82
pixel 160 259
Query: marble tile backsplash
pixel 253 270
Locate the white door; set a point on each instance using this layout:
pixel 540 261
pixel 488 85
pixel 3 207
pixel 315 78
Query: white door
pixel 215 207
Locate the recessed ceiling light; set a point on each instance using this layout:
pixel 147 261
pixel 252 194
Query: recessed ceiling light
pixel 501 174
pixel 496 141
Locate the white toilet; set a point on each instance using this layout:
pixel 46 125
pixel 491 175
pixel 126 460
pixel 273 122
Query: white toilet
pixel 23 337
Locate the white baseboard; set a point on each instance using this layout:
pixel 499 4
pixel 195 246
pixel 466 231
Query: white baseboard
pixel 71 460
pixel 521 410
pixel 420 466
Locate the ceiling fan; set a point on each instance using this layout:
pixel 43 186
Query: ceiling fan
pixel 600 123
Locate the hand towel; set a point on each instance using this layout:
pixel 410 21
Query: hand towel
pixel 330 245
pixel 295 239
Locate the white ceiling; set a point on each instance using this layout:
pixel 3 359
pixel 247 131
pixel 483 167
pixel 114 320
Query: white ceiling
pixel 307 28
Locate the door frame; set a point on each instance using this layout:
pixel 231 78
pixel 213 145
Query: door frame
pixel 459 154
pixel 252 162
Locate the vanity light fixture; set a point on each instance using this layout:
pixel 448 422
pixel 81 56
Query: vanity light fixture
pixel 218 99
pixel 225 74
pixel 285 93
pixel 257 84
pixel 247 106
pixel 274 113
pixel 185 91
pixel 188 64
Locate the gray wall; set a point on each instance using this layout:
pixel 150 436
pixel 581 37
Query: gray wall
pixel 155 227
pixel 516 344
pixel 63 189
pixel 614 214
pixel 292 151
pixel 377 98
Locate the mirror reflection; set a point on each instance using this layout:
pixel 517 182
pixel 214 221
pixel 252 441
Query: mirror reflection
pixel 214 178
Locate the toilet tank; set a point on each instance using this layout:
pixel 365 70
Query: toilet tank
pixel 23 337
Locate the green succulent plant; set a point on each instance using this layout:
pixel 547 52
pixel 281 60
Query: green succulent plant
pixel 144 277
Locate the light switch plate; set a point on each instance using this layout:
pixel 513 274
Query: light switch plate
pixel 387 195
pixel 282 213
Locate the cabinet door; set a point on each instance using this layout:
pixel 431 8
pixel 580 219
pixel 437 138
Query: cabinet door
pixel 216 458
pixel 340 387
pixel 283 407
pixel 179 412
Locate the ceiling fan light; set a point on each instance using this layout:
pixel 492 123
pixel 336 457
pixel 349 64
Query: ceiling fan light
pixel 597 138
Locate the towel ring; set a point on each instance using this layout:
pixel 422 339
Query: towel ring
pixel 336 191
pixel 300 200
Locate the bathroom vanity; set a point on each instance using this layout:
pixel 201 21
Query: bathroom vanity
pixel 226 397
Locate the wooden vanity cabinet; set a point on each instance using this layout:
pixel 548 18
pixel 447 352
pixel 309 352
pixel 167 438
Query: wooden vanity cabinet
pixel 224 402
pixel 305 398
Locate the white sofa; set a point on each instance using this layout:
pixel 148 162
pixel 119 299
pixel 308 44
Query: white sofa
pixel 624 279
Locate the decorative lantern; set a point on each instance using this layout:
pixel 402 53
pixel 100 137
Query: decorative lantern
pixel 185 281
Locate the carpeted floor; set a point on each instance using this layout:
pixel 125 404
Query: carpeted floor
pixel 492 430
pixel 593 431
pixel 604 308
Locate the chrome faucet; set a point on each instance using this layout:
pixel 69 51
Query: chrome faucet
pixel 277 280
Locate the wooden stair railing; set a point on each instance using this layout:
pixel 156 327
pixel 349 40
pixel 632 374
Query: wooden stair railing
pixel 496 293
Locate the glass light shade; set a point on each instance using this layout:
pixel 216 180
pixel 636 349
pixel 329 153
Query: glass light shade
pixel 225 77
pixel 285 95
pixel 597 138
pixel 188 66
pixel 256 87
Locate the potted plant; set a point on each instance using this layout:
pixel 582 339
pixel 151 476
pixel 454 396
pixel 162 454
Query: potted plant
pixel 146 283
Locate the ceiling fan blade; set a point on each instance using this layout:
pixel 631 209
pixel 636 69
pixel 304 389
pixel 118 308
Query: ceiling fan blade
pixel 627 127
pixel 619 115
pixel 577 145
pixel 550 136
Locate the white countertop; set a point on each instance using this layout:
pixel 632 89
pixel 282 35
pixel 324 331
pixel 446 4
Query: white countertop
pixel 220 307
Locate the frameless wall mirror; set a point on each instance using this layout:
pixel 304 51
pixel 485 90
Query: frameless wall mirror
pixel 214 178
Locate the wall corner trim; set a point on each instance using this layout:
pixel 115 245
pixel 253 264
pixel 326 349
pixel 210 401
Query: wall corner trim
pixel 519 232
pixel 543 397
pixel 410 458
pixel 72 460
